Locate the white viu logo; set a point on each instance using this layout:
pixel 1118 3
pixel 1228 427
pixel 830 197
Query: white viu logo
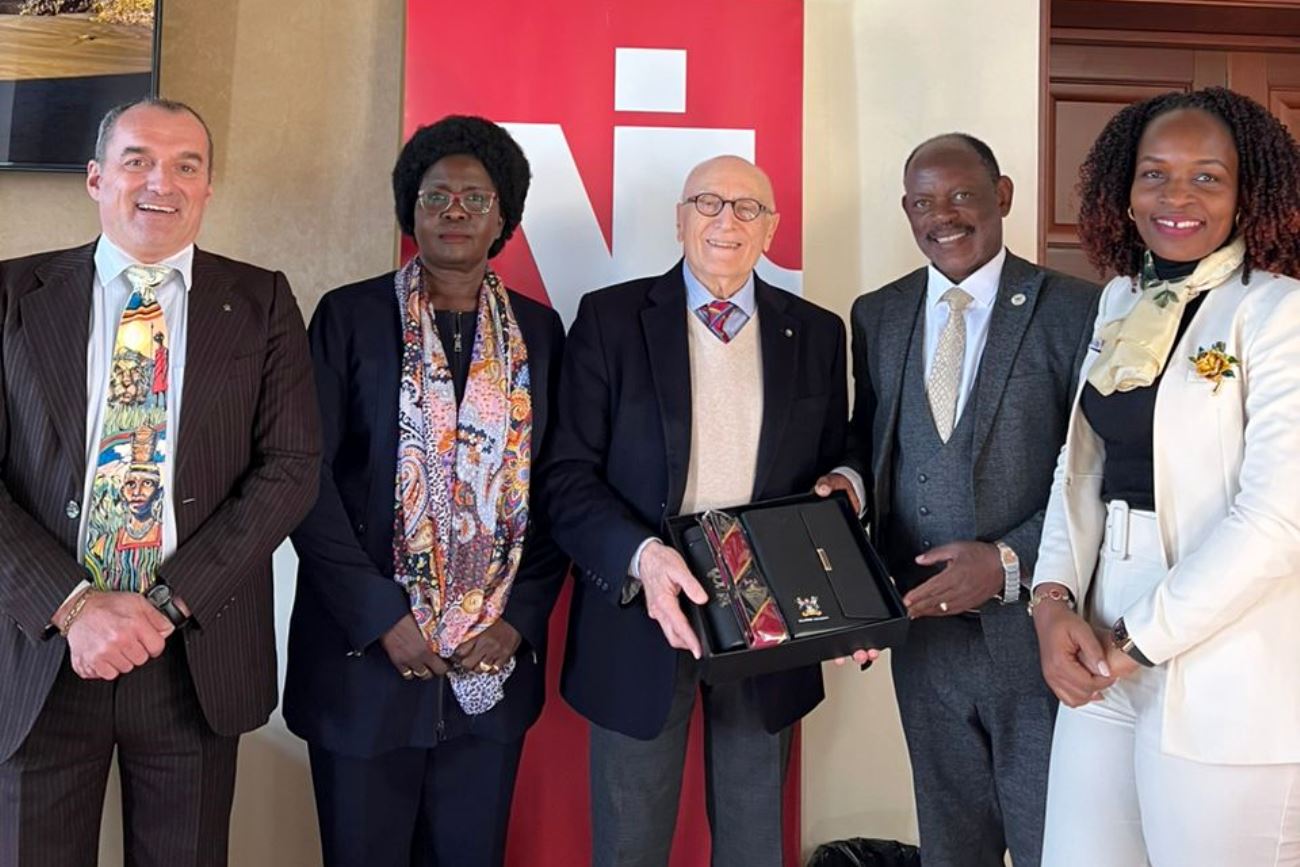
pixel 650 164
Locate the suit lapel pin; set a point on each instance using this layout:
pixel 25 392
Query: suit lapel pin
pixel 1018 299
pixel 789 332
pixel 225 308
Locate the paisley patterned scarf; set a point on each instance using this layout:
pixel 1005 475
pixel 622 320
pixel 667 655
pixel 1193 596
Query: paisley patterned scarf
pixel 462 477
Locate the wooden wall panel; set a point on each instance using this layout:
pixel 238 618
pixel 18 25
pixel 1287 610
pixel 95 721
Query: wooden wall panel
pixel 1105 54
pixel 1284 89
pixel 1086 89
pixel 1077 114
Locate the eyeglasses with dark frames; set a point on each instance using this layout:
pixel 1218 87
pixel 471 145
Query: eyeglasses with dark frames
pixel 711 204
pixel 437 202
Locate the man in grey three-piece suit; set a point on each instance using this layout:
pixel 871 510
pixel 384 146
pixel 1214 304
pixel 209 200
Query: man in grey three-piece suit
pixel 964 373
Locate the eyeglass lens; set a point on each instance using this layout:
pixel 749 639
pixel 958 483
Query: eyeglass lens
pixel 711 204
pixel 437 201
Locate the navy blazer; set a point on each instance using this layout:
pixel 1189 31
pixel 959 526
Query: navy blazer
pixel 341 691
pixel 619 466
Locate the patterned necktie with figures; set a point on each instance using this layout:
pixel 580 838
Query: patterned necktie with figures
pixel 124 537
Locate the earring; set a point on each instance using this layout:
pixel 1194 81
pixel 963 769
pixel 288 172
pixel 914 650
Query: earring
pixel 1236 220
pixel 1130 214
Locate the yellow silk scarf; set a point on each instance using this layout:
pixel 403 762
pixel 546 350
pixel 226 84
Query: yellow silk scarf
pixel 1134 349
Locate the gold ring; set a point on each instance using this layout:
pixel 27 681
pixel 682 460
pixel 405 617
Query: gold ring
pixel 943 606
pixel 485 668
pixel 407 674
pixel 424 674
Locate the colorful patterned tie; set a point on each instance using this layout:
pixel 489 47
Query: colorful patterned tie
pixel 723 318
pixel 945 373
pixel 124 536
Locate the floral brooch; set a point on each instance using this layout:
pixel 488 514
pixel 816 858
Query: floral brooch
pixel 1215 364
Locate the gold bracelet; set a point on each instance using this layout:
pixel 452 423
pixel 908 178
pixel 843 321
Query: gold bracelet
pixel 1051 594
pixel 75 611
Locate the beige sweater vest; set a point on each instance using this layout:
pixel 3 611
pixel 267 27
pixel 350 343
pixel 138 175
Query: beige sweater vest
pixel 726 416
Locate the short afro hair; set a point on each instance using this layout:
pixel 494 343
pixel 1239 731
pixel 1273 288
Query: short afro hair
pixel 472 136
pixel 982 150
pixel 1268 182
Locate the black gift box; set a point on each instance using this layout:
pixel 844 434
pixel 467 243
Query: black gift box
pixel 830 585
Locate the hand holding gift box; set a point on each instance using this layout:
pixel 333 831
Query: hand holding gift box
pixel 793 582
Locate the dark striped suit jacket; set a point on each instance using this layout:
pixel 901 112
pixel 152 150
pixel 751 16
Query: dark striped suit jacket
pixel 248 455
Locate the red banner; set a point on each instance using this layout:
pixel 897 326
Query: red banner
pixel 614 102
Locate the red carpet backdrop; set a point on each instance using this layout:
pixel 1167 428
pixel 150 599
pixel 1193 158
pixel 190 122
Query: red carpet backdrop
pixel 614 102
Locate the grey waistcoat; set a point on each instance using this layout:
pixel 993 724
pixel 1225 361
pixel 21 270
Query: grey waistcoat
pixel 933 497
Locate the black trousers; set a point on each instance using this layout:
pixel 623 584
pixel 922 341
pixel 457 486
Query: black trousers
pixel 178 777
pixel 448 806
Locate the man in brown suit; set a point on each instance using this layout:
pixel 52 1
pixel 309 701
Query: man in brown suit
pixel 157 644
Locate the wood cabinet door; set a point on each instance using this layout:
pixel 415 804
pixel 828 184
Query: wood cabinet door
pixel 1088 85
pixel 1272 78
pixel 1094 71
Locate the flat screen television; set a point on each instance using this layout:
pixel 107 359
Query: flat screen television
pixel 63 64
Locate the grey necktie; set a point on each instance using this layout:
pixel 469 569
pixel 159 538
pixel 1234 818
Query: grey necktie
pixel 944 383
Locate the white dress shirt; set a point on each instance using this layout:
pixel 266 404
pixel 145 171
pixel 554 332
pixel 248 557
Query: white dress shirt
pixel 982 286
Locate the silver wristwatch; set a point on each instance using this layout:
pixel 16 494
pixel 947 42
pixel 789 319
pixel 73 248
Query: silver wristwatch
pixel 1010 572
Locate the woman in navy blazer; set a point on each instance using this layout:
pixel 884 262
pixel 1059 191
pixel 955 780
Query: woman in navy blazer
pixel 403 774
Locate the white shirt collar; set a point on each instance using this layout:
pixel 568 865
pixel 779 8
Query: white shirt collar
pixel 111 262
pixel 982 285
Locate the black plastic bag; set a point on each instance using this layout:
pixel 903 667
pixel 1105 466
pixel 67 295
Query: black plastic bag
pixel 860 852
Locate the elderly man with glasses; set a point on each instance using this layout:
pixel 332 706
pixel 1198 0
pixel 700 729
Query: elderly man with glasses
pixel 698 388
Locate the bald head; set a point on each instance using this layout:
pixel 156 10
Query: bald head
pixel 729 167
pixel 721 249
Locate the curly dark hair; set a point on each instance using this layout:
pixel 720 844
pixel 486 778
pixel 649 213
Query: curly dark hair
pixel 1268 193
pixel 472 136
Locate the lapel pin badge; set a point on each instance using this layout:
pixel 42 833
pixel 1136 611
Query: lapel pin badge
pixel 225 308
pixel 1018 299
pixel 789 332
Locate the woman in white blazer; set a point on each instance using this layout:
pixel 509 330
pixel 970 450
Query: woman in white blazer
pixel 1167 591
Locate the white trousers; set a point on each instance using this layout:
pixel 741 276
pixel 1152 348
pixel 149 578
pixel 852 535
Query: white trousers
pixel 1114 799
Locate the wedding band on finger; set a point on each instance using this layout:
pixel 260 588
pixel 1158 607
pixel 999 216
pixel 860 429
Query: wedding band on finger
pixel 424 674
pixel 407 674
pixel 486 668
pixel 943 606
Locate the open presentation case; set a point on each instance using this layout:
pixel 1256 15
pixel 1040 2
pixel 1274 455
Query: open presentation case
pixel 793 581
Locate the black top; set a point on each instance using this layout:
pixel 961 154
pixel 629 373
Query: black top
pixel 1125 420
pixel 457 332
